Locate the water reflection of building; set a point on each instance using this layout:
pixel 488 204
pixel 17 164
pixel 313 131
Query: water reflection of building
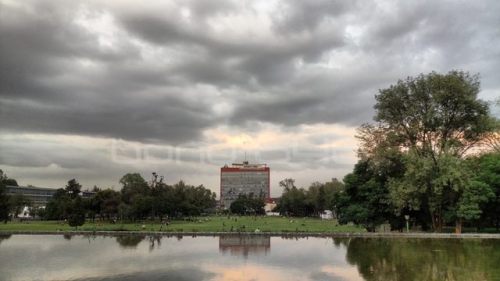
pixel 243 245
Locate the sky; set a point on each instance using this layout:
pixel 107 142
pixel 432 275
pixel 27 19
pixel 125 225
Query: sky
pixel 93 90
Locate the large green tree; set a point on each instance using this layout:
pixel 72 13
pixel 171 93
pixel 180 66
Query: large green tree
pixel 191 200
pixel 322 195
pixel 308 202
pixel 365 199
pixel 66 203
pixel 105 203
pixel 133 185
pixel 486 170
pixel 57 206
pixel 434 113
pixel 434 120
pixel 73 188
pixel 76 212
pixel 136 194
pixel 451 193
pixel 293 200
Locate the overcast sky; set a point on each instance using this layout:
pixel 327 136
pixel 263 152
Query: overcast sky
pixel 92 90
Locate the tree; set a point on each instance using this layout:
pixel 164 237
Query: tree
pixel 248 204
pixel 321 196
pixel 37 211
pixel 6 180
pixel 136 194
pixel 4 203
pixel 492 139
pixel 73 188
pixel 14 203
pixel 76 213
pixel 106 202
pixel 486 169
pixel 57 206
pixel 66 203
pixel 434 112
pixel 18 202
pixel 294 200
pixel 191 200
pixel 434 120
pixel 141 200
pixel 301 202
pixel 365 199
pixel 315 197
pixel 141 206
pixel 474 195
pixel 456 196
pixel 133 184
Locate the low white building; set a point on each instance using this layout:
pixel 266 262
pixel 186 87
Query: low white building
pixel 326 215
pixel 25 213
pixel 270 205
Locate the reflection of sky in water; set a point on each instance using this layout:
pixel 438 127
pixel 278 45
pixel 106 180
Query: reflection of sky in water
pixel 48 257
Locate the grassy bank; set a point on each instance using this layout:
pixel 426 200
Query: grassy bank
pixel 202 224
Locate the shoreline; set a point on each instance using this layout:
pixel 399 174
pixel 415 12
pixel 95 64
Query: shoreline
pixel 272 234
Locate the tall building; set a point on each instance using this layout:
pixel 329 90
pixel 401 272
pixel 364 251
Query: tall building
pixel 243 178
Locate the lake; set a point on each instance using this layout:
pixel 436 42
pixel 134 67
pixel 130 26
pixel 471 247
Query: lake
pixel 186 258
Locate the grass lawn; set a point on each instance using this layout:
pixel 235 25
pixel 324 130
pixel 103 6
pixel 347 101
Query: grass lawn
pixel 201 224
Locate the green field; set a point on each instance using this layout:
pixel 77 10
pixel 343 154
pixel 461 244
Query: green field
pixel 201 224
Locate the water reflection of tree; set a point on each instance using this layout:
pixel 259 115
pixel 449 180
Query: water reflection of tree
pixel 129 241
pixel 4 237
pixel 424 259
pixel 154 241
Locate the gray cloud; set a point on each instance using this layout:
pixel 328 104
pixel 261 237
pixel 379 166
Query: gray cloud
pixel 167 72
pixel 299 16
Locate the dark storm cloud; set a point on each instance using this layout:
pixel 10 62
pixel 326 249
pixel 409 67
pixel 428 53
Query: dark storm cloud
pixel 232 62
pixel 44 88
pixel 160 119
pixel 39 43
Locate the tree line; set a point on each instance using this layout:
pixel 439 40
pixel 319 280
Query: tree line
pixel 248 204
pixel 302 202
pixel 136 200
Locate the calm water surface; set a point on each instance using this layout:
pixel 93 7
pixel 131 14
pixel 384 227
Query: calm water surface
pixel 54 257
